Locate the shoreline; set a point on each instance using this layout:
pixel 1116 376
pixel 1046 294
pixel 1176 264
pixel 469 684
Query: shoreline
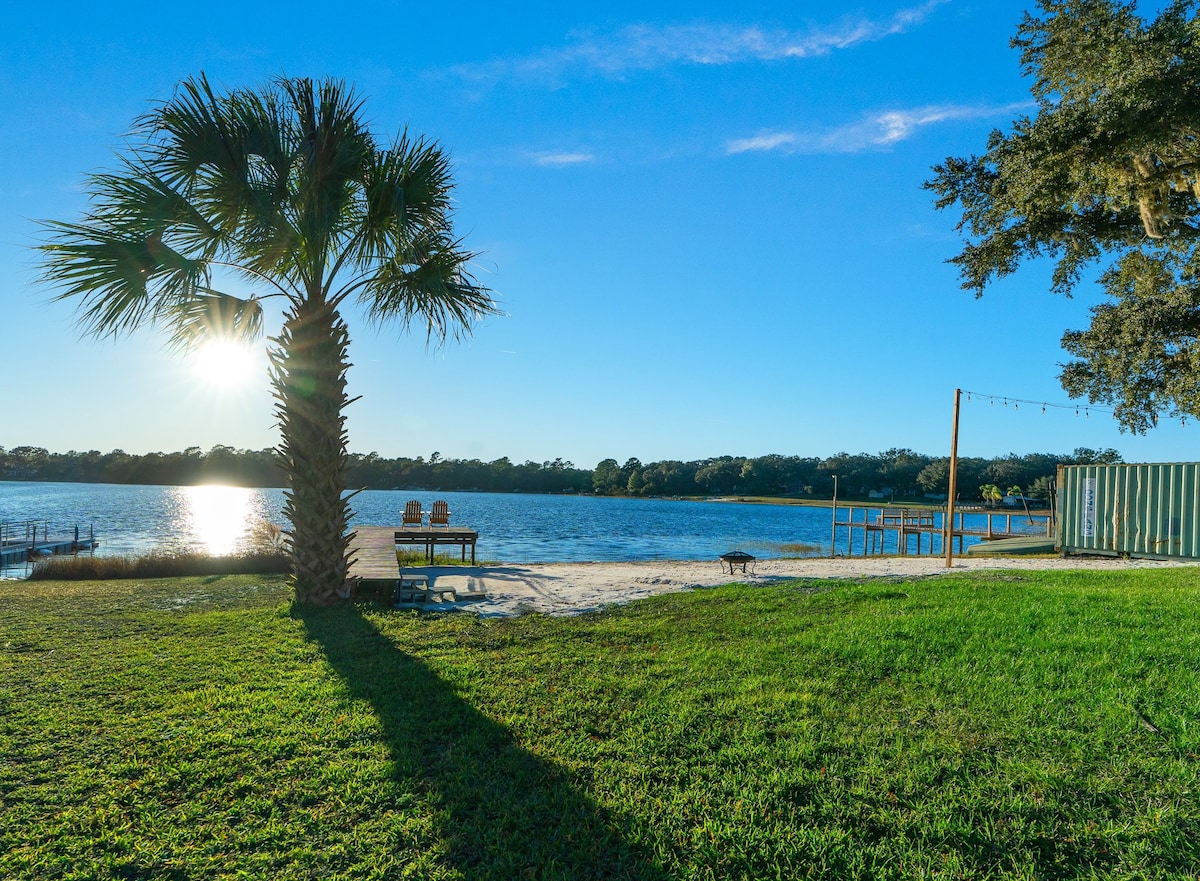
pixel 575 588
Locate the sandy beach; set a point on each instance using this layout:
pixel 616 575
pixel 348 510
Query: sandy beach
pixel 573 588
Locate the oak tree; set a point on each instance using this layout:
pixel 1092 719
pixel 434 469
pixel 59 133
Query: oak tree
pixel 1104 176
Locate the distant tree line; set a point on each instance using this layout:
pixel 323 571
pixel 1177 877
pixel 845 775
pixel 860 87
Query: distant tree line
pixel 895 473
pixel 221 464
pixel 260 468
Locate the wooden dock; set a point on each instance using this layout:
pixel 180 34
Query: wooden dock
pixel 373 562
pixel 375 546
pixel 373 554
pixel 880 526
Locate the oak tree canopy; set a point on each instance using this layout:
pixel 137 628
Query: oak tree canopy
pixel 1105 175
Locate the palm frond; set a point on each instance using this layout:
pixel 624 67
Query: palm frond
pixel 405 195
pixel 211 315
pixel 141 199
pixel 432 286
pixel 189 133
pixel 423 169
pixel 119 280
pixel 230 156
pixel 332 148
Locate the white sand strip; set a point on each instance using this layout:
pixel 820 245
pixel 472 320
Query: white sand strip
pixel 572 588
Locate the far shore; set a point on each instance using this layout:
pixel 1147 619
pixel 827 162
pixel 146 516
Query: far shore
pixel 911 504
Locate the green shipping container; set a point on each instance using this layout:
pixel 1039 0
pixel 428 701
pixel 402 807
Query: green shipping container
pixel 1139 510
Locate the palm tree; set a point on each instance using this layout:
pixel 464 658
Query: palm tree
pixel 991 494
pixel 285 188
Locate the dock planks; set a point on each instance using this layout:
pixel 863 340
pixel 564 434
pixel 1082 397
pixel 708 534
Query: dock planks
pixel 373 554
pixel 373 559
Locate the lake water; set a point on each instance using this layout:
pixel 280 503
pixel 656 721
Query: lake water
pixel 512 527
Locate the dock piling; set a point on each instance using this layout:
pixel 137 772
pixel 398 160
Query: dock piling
pixel 894 530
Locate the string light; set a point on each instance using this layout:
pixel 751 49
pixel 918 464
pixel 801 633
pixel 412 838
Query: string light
pixel 1044 405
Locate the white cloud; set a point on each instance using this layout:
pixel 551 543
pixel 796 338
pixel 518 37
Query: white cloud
pixel 649 47
pixel 762 143
pixel 875 131
pixel 559 159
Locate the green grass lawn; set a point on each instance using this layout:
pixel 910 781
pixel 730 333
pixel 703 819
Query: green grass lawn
pixel 1002 725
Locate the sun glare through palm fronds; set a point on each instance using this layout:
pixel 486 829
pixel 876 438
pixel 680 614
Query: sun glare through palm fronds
pixel 227 365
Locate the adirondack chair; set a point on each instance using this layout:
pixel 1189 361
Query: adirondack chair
pixel 413 515
pixel 440 515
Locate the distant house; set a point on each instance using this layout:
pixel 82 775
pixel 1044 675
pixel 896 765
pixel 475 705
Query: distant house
pixel 1023 501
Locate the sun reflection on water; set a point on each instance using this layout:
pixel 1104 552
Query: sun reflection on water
pixel 218 517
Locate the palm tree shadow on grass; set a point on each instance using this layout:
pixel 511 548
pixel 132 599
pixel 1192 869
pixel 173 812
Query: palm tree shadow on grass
pixel 508 813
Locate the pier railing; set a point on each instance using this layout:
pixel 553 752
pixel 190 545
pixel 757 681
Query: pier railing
pixel 22 540
pixel 895 530
pixel 24 532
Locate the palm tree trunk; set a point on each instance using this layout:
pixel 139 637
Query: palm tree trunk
pixel 309 384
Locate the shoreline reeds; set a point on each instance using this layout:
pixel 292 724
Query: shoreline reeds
pixel 175 564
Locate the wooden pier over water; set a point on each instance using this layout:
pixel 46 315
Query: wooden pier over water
pixel 885 530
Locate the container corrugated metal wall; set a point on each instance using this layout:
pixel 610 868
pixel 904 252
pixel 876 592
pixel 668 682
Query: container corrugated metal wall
pixel 1139 510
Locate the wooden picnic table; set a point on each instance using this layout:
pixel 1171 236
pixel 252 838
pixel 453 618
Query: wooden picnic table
pixel 432 536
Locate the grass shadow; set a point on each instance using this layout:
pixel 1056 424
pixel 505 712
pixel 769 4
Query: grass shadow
pixel 505 813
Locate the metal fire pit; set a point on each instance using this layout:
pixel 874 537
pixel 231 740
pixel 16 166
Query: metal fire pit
pixel 736 558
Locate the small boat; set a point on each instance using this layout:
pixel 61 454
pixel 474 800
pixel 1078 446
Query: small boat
pixel 1011 547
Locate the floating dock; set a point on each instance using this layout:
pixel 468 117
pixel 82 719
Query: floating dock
pixel 29 540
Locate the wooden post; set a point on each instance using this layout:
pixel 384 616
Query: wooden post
pixel 833 529
pixel 1057 528
pixel 949 540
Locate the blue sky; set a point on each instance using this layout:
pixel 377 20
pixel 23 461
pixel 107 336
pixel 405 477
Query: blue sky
pixel 704 223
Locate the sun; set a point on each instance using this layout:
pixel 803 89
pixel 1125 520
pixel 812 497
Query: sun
pixel 225 364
